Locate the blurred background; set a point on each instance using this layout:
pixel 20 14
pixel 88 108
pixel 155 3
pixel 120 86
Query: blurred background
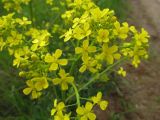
pixel 136 97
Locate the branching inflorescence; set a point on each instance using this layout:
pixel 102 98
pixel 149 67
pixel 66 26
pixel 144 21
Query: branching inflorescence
pixel 93 43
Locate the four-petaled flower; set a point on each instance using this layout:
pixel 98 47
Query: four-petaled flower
pixel 122 72
pixel 64 79
pixel 98 100
pixel 58 107
pixel 86 112
pixel 109 53
pixel 85 49
pixel 103 36
pixel 57 111
pixel 35 85
pixel 54 60
pixel 88 63
pixel 81 32
pixel 121 32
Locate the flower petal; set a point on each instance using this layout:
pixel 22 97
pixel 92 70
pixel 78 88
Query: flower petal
pixel 63 62
pixel 27 91
pixel 58 53
pixel 103 105
pixel 54 66
pixel 91 116
pixel 89 106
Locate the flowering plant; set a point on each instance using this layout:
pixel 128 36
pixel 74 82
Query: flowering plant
pixel 63 60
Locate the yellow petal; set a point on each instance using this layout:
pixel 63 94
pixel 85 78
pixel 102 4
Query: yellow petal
pixel 99 95
pixel 62 73
pixel 117 56
pixel 56 81
pixel 109 59
pixel 27 91
pixel 38 86
pixel 89 106
pixel 78 50
pixel 85 44
pixel 30 83
pixel 60 106
pixel 84 117
pixel 103 105
pixel 58 53
pixel 63 61
pixel 83 68
pixel 53 111
pixel 64 86
pixel 91 116
pixel 70 79
pixel 80 110
pixel 113 49
pixel 92 49
pixel 34 47
pixel 34 94
pixel 54 66
pixel 48 58
pixel 45 84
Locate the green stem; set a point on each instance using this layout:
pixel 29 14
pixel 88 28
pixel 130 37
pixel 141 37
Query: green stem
pixel 73 65
pixel 85 99
pixel 71 105
pixel 55 91
pixel 97 76
pixel 77 95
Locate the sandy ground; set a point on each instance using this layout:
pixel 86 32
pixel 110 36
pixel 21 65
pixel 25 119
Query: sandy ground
pixel 144 88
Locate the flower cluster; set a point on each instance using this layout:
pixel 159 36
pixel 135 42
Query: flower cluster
pixel 92 42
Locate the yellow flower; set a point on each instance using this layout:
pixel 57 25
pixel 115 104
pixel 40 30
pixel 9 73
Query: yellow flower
pixel 98 100
pixel 21 56
pixel 58 107
pixel 39 38
pixel 88 63
pixel 57 111
pixel 14 39
pixel 109 53
pixel 35 85
pixel 67 14
pixel 82 32
pixel 97 14
pixel 85 49
pixel 137 53
pixel 31 88
pixel 54 60
pixel 103 36
pixel 86 112
pixel 41 83
pixel 122 72
pixel 82 20
pixel 142 37
pixel 40 41
pixel 64 79
pixel 23 21
pixel 121 32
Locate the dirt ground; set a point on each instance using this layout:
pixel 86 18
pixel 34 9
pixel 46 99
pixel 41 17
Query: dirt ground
pixel 144 82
